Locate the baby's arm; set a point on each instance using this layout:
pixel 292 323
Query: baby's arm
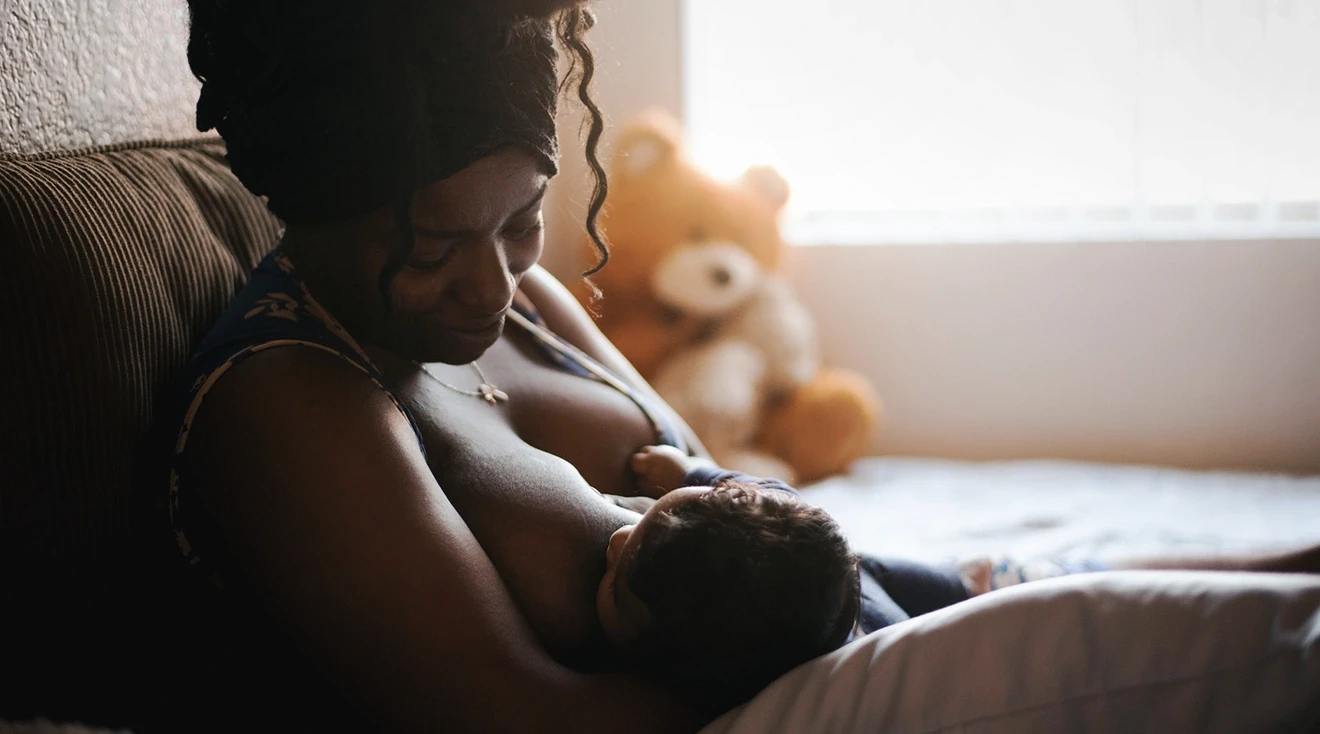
pixel 662 469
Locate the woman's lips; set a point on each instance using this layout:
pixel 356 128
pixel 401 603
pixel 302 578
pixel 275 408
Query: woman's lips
pixel 478 330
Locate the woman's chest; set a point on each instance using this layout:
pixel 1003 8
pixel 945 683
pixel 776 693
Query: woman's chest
pixel 543 527
pixel 589 424
pixel 506 467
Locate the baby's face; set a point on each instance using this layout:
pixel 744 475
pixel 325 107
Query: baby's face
pixel 622 615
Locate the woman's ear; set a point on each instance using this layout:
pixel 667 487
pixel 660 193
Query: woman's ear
pixel 647 145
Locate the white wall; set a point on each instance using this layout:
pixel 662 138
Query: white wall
pixel 1184 354
pixel 1188 354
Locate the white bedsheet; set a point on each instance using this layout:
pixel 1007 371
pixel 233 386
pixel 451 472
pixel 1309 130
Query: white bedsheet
pixel 936 510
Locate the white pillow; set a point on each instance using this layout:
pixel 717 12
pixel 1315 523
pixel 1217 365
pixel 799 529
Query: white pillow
pixel 1131 651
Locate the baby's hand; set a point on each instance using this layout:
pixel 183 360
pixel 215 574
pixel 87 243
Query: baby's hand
pixel 661 469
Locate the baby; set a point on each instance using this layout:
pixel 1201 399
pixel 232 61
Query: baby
pixel 725 583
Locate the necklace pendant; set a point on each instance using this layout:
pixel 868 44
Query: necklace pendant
pixel 493 394
pixel 486 391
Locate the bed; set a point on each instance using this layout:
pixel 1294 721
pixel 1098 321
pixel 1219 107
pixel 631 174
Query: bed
pixel 931 510
pixel 1129 651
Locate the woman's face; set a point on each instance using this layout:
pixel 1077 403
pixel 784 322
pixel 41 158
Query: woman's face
pixel 476 233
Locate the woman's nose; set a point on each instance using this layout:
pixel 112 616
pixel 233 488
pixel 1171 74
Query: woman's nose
pixel 487 286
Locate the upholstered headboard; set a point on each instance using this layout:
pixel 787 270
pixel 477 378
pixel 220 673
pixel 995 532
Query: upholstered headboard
pixel 123 234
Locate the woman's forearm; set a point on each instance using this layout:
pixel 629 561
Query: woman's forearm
pixel 638 505
pixel 621 703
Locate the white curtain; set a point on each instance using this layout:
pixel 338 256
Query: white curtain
pixel 937 120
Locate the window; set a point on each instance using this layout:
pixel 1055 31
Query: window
pixel 985 120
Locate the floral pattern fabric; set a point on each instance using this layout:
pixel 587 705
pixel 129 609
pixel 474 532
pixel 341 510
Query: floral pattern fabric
pixel 274 310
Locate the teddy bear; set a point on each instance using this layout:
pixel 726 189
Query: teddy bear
pixel 694 296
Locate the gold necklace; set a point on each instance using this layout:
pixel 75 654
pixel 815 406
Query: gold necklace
pixel 486 390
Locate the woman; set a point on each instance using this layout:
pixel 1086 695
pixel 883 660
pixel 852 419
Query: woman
pixel 386 460
pixel 407 146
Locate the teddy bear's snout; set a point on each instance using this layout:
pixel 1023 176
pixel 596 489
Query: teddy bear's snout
pixel 707 279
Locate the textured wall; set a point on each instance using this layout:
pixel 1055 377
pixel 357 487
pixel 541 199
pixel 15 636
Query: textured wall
pixel 89 72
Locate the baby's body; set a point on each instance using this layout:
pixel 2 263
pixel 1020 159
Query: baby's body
pixel 725 582
pixel 728 581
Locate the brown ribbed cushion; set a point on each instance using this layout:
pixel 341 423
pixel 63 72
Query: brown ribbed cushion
pixel 113 264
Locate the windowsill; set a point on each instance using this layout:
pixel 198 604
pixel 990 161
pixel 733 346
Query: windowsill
pixel 877 242
pixel 1093 226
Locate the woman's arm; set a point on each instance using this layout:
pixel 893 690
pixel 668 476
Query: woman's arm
pixel 565 316
pixel 317 482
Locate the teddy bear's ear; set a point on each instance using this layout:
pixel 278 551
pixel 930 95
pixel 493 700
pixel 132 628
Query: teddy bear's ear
pixel 766 183
pixel 646 144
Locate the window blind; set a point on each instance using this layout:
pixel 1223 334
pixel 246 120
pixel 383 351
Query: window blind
pixel 986 120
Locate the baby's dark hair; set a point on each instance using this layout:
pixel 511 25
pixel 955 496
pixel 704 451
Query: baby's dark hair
pixel 742 584
pixel 333 108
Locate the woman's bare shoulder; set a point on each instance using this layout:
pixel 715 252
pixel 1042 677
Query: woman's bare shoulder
pixel 322 394
pixel 285 425
pixel 562 312
pixel 570 321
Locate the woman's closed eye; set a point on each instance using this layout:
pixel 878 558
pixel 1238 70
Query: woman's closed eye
pixel 517 233
pixel 432 255
pixel 438 251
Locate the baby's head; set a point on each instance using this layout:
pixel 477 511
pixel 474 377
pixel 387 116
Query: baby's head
pixel 718 592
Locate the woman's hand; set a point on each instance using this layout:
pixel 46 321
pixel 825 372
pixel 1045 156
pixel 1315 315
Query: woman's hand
pixel 662 469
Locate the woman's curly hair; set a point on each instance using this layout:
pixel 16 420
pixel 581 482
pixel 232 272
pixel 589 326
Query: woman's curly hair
pixel 333 108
